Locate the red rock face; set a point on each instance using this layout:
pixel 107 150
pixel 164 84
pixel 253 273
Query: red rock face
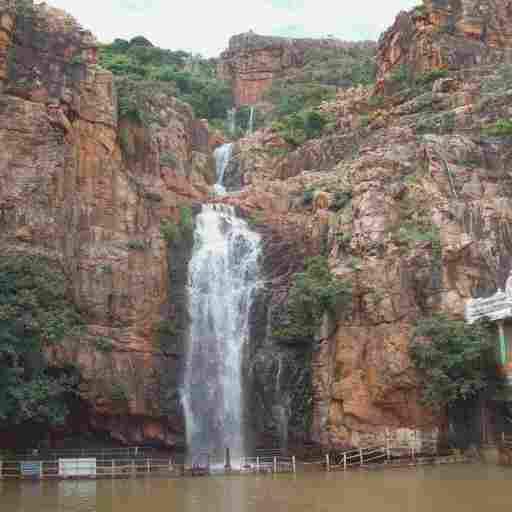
pixel 447 34
pixel 69 191
pixel 252 61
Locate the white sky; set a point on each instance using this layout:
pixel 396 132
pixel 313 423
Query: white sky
pixel 204 26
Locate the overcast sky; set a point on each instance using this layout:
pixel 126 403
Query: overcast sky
pixel 204 26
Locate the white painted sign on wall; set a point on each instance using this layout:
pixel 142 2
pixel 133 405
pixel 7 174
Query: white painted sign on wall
pixel 77 467
pixel 497 307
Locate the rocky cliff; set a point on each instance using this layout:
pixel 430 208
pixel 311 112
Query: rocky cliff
pixel 413 187
pixel 448 34
pixel 87 185
pixel 407 195
pixel 252 61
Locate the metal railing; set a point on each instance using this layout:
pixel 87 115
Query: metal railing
pixel 88 468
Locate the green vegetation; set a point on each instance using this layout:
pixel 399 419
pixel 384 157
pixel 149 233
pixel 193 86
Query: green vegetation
pixel 341 201
pixel 501 128
pixel 400 74
pixel 119 393
pixel 431 76
pixel 103 344
pixel 364 120
pixel 308 196
pixel 191 77
pixel 35 311
pixel 168 159
pixel 76 60
pixel 256 218
pixel 455 359
pixel 377 100
pixel 297 128
pixel 105 269
pixel 313 293
pixel 296 99
pixel 136 245
pixel 174 233
pixel 164 331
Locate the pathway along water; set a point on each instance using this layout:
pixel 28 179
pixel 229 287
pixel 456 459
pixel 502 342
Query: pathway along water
pixel 223 277
pixel 463 488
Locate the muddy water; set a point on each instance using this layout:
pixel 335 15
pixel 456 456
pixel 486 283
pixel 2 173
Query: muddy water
pixel 464 488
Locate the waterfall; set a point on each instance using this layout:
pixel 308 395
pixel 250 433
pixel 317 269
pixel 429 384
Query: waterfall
pixel 223 278
pixel 222 157
pixel 231 121
pixel 250 126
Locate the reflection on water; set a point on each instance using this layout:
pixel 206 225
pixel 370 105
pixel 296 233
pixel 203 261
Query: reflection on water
pixel 439 489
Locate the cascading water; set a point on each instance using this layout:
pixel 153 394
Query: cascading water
pixel 250 126
pixel 231 121
pixel 222 157
pixel 223 278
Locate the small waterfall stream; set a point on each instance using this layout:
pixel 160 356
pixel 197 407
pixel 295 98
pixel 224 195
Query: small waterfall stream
pixel 223 278
pixel 222 157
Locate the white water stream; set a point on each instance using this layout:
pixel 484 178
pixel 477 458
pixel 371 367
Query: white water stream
pixel 223 277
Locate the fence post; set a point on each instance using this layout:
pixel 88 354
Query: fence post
pixel 257 464
pixel 148 466
pixel 327 462
pixel 294 465
pixel 345 461
pixel 170 466
pixel 275 465
pixel 388 449
pixel 503 437
pixel 113 467
pixel 134 471
pixel 361 459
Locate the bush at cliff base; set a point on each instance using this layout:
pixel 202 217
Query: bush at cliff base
pixel 34 311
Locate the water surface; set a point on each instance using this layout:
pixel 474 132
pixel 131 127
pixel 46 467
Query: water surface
pixel 464 488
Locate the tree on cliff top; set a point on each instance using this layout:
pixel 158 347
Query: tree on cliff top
pixel 34 311
pixel 191 77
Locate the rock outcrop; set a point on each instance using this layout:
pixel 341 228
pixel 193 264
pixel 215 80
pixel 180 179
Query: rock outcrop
pixel 88 188
pixel 418 221
pixel 447 34
pixel 253 61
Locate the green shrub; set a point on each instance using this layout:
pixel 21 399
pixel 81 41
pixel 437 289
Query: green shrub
pixel 105 269
pixel 400 74
pixel 169 230
pixel 103 344
pixel 314 123
pixel 500 128
pixel 172 232
pixel 431 76
pixel 256 218
pixel 308 196
pixel 377 100
pixel 136 245
pixel 186 222
pixel 297 128
pixel 164 330
pixel 119 392
pixel 168 159
pixel 35 310
pixel 341 200
pixel 76 60
pixel 193 78
pixel 455 359
pixel 313 293
pixel 364 120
